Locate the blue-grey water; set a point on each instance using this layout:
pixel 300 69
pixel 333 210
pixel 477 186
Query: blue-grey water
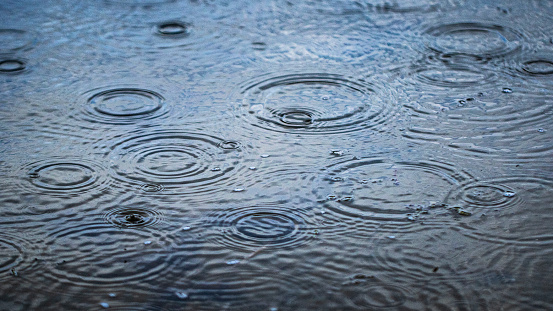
pixel 276 155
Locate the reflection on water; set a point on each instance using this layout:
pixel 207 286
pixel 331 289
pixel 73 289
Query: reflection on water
pixel 276 155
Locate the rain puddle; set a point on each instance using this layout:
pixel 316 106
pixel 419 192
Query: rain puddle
pixel 276 155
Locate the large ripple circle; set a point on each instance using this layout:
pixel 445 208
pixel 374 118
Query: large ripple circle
pixel 175 161
pixel 474 39
pixel 261 226
pixel 63 176
pixel 122 105
pixel 383 190
pixel 312 103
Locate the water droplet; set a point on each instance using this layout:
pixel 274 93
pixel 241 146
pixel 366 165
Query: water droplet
pixel 229 145
pixel 104 305
pixel 509 194
pixel 181 295
pixel 233 262
pixel 507 90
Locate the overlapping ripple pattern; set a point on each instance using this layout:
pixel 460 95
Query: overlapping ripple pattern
pixel 276 155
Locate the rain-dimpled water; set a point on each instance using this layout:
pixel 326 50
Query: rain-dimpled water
pixel 276 155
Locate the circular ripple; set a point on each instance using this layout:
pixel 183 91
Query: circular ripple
pixel 15 39
pixel 133 217
pixel 201 34
pixel 473 39
pixel 254 227
pixel 383 190
pixel 179 162
pixel 12 65
pixel 513 210
pixel 452 76
pixel 480 196
pixel 13 255
pixel 538 67
pixel 172 29
pixel 96 254
pixel 367 295
pixel 123 105
pixel 63 176
pixel 315 103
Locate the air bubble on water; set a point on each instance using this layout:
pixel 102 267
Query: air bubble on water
pixel 112 295
pixel 181 295
pixel 215 169
pixel 233 262
pixel 507 90
pixel 509 194
pixel 252 168
pixel 238 190
pixel 186 228
pixel 325 97
pixel 337 152
pixel 264 155
pixel 105 305
pixel 147 242
pixel 274 309
pixel 337 178
pixel 391 237
pixel 541 130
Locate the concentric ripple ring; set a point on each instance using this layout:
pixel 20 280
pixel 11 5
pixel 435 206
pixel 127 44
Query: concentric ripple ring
pixel 313 103
pixel 261 226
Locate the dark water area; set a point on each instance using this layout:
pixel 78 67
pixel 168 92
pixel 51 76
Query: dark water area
pixel 276 155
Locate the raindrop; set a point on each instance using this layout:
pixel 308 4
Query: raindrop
pixel 132 217
pixel 229 145
pixel 181 295
pixel 509 194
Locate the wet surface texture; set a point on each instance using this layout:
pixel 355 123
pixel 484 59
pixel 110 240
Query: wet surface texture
pixel 276 155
